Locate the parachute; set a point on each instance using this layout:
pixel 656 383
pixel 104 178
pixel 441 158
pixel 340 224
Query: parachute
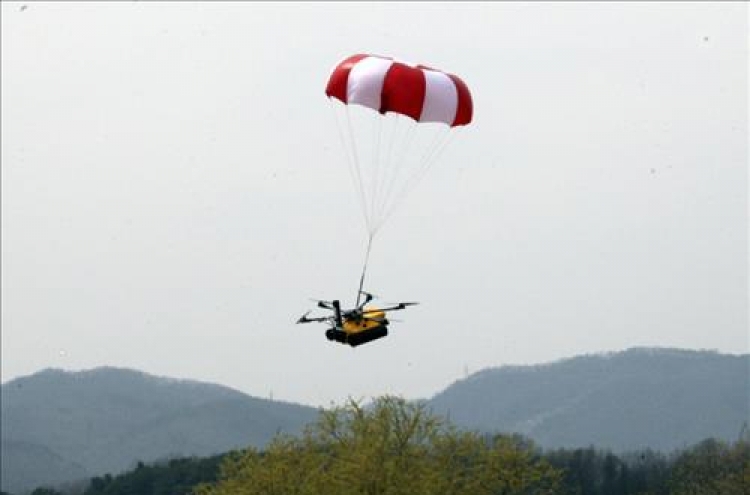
pixel 394 119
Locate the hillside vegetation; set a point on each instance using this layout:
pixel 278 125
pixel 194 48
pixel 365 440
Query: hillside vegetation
pixel 60 427
pixel 661 399
pixel 398 447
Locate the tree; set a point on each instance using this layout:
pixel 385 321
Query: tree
pixel 46 491
pixel 713 467
pixel 392 447
pixel 167 477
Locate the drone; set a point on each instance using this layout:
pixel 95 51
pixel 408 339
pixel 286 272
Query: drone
pixel 355 326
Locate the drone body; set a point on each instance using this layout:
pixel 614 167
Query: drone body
pixel 356 330
pixel 355 326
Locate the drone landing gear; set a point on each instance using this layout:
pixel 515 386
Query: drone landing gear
pixel 355 339
pixel 368 335
pixel 337 335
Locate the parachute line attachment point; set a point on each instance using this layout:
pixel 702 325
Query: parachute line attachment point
pixel 364 268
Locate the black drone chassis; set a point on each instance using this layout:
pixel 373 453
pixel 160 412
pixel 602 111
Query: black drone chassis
pixel 355 339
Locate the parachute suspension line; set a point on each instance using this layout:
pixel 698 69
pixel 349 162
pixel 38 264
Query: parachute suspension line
pixel 374 171
pixel 384 166
pixel 416 167
pixel 364 268
pixel 428 159
pixel 401 162
pixel 396 169
pixel 427 162
pixel 411 171
pixel 347 141
pixel 391 141
pixel 358 169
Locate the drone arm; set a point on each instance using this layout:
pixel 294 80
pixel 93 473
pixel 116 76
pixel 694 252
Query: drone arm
pixel 305 319
pixel 398 306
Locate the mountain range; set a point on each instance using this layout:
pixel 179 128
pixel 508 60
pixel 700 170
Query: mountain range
pixel 642 398
pixel 60 426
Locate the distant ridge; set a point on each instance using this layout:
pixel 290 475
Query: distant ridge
pixel 659 398
pixel 60 426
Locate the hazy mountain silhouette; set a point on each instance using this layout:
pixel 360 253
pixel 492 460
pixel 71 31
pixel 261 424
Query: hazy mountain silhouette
pixel 641 398
pixel 60 426
pixel 63 426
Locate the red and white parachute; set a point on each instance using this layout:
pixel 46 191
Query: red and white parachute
pixel 395 118
pixel 386 85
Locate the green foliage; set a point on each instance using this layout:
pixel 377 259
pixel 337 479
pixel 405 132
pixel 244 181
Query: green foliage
pixel 46 491
pixel 713 467
pixel 397 447
pixel 175 477
pixel 593 472
pixel 394 447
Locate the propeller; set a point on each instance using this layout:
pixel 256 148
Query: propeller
pixel 323 304
pixel 305 319
pixel 409 303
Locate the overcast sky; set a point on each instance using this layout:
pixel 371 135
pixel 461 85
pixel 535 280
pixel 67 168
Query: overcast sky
pixel 174 189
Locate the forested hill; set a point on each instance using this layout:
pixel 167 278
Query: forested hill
pixel 640 398
pixel 59 426
pixel 63 426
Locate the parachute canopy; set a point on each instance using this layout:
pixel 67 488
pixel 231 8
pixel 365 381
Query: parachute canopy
pixel 394 118
pixel 387 85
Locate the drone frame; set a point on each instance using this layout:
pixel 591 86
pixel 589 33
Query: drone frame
pixel 357 314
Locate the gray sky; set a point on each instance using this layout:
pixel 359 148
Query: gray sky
pixel 174 190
